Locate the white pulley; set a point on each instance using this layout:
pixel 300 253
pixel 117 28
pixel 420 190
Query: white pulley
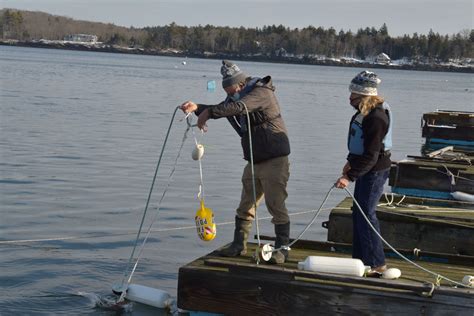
pixel 266 252
pixel 468 280
pixel 198 152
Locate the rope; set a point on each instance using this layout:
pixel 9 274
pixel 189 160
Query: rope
pixel 254 192
pixel 452 176
pixel 288 247
pixel 419 209
pixel 439 277
pixel 415 207
pixel 155 216
pixel 416 252
pixel 430 293
pixel 201 183
pixel 390 203
pixel 146 209
pixel 95 236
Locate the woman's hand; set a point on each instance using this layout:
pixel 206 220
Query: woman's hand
pixel 342 182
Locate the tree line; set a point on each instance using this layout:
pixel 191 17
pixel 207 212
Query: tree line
pixel 271 41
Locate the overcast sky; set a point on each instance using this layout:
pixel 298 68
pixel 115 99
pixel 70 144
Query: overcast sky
pixel 401 16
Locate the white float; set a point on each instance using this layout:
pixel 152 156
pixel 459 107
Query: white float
pixel 148 296
pixel 391 274
pixel 198 152
pixel 462 196
pixel 346 266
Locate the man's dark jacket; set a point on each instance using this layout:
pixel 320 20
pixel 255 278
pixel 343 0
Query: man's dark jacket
pixel 269 134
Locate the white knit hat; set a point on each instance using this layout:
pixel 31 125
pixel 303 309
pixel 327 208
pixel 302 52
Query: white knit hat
pixel 365 83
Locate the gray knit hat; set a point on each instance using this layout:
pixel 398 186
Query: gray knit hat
pixel 231 74
pixel 365 83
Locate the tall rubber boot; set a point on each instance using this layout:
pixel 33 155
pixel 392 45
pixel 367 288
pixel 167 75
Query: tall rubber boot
pixel 282 232
pixel 239 244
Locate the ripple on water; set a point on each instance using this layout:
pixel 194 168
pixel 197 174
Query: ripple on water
pixel 81 303
pixel 16 181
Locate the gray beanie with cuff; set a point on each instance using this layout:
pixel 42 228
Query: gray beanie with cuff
pixel 231 74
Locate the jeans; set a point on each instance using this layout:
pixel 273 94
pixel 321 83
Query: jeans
pixel 366 245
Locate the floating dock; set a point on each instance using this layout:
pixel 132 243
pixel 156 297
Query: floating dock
pixel 411 223
pixel 448 127
pixel 435 234
pixel 239 286
pixel 436 175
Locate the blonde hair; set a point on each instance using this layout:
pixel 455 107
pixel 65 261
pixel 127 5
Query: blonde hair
pixel 368 103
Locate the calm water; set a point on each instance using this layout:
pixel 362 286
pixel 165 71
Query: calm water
pixel 80 137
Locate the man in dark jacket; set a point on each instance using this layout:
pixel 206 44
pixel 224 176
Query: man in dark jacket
pixel 253 99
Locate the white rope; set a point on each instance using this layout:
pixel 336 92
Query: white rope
pixel 142 247
pixel 437 275
pixel 452 176
pixel 257 257
pixel 201 183
pixel 288 247
pixel 161 230
pixel 410 208
pixel 390 202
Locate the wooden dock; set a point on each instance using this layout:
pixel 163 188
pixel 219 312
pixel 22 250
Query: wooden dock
pixel 431 225
pixel 239 286
pixel 448 127
pixel 435 175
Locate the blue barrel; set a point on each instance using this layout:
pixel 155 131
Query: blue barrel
pixel 211 85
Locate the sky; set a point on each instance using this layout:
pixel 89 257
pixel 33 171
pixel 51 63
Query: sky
pixel 401 16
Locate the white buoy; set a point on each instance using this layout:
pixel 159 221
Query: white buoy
pixel 198 152
pixel 391 274
pixel 468 280
pixel 148 296
pixel 184 62
pixel 462 196
pixel 346 266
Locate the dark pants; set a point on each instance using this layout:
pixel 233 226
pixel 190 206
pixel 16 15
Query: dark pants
pixel 366 245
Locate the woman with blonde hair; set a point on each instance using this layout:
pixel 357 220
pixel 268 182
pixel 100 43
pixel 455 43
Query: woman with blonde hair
pixel 368 164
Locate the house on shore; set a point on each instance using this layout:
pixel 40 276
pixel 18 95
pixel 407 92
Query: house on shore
pixel 382 59
pixel 81 38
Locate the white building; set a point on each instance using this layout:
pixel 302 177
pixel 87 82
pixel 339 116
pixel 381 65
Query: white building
pixel 382 59
pixel 84 38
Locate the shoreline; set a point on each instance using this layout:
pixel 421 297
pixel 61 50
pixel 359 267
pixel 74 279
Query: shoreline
pixel 283 60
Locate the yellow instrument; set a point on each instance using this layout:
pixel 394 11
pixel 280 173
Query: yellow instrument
pixel 206 228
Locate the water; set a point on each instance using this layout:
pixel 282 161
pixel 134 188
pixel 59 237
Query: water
pixel 80 137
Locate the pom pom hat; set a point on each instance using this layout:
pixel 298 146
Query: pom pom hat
pixel 365 83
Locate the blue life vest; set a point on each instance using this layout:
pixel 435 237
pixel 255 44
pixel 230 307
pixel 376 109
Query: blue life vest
pixel 239 123
pixel 355 139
